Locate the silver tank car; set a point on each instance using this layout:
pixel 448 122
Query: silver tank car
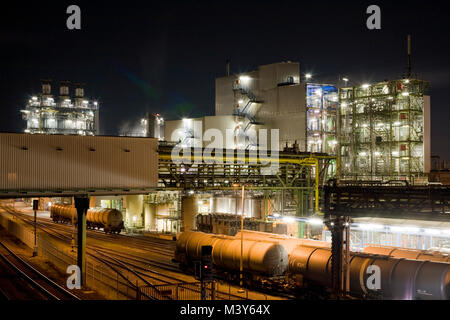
pixel 401 279
pixel 111 220
pixel 290 243
pixel 408 253
pixel 259 256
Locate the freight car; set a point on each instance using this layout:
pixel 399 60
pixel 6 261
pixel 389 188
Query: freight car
pixel 111 220
pixel 264 259
pixel 400 278
pixel 408 253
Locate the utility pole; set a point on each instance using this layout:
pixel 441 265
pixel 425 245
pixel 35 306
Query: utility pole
pixel 82 205
pixel 35 208
pixel 241 265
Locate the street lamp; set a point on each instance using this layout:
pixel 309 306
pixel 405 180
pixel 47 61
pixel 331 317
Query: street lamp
pixel 241 264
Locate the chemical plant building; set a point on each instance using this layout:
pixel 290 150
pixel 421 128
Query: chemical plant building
pixel 271 97
pixel 47 114
pixel 375 131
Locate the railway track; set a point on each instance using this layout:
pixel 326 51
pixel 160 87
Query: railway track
pixel 44 288
pixel 148 270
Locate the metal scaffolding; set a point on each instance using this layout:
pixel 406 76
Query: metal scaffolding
pixel 381 131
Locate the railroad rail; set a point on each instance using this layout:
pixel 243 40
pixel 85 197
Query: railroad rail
pixel 49 289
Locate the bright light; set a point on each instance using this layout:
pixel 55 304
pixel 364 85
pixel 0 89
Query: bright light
pixel 85 102
pixel 371 226
pixel 95 103
pixel 315 221
pixel 363 154
pixel 345 79
pixel 276 215
pixel 407 81
pixel 26 131
pixel 334 142
pixel 49 204
pixel 344 105
pixel 308 76
pixel 241 101
pixel 412 229
pixel 365 86
pixel 191 192
pixel 405 94
pixel 288 219
pixel 395 153
pixel 34 98
pixel 182 169
pixel 134 218
pixel 433 231
pixel 364 125
pixel 318 92
pixel 377 153
pixel 244 78
pixel 397 123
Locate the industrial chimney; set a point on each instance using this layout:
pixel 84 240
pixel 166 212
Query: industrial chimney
pixel 46 87
pixel 64 88
pixel 228 67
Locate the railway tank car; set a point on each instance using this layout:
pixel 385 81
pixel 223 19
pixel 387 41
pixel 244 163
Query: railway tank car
pixel 408 253
pixel 260 257
pixel 111 220
pixel 401 279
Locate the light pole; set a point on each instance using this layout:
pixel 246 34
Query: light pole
pixel 241 265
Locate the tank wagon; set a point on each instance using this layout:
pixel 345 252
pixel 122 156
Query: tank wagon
pixel 400 277
pixel 262 258
pixel 408 253
pixel 111 220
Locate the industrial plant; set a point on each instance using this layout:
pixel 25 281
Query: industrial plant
pixel 293 189
pixel 45 113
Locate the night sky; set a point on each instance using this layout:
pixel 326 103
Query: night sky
pixel 164 56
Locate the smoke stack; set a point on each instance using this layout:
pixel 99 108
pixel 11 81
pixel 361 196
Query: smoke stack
pixel 46 87
pixel 409 56
pixel 79 91
pixel 64 88
pixel 228 68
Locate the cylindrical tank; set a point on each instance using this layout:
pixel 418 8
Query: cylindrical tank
pixel 408 253
pixel 400 278
pixel 290 243
pixel 232 205
pixel 111 220
pixel 260 256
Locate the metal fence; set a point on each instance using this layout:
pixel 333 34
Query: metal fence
pixel 99 277
pixel 179 291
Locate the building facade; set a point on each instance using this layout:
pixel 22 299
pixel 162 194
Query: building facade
pixel 271 97
pixel 384 131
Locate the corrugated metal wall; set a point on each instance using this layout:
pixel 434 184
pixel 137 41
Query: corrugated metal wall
pixel 63 162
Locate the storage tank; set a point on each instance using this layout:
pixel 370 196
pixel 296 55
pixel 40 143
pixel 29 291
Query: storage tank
pixel 232 205
pixel 260 256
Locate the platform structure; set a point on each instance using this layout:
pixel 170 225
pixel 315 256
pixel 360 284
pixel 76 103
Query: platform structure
pixel 375 199
pixel 295 174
